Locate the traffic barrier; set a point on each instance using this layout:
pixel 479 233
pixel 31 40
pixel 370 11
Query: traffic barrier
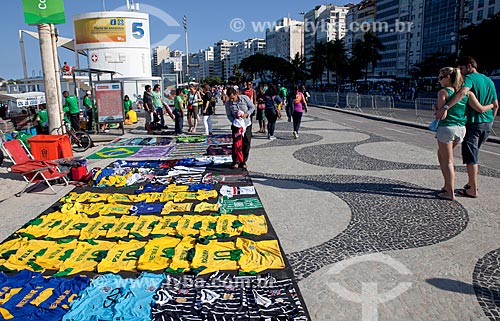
pixel 425 109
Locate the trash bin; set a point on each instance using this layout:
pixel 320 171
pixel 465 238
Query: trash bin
pixel 50 147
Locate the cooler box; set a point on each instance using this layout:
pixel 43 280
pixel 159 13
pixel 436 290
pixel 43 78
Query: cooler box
pixel 77 173
pixel 50 147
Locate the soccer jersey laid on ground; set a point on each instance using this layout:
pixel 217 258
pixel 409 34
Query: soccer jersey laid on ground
pixel 69 227
pixel 98 227
pixel 172 207
pixel 228 205
pixel 253 224
pixel 216 256
pixel 136 304
pixel 98 300
pixel 184 253
pixel 24 258
pixel 122 257
pixel 166 226
pixel 143 226
pixel 54 256
pixel 122 228
pixel 85 257
pixel 42 225
pixel 259 256
pixel 175 300
pixel 157 254
pixel 226 226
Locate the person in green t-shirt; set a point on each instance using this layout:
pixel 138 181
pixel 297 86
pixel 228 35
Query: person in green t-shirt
pixel 479 121
pixel 88 106
pixel 127 104
pixel 178 111
pixel 42 118
pixel 71 109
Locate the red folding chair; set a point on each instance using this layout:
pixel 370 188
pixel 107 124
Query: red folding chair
pixel 33 171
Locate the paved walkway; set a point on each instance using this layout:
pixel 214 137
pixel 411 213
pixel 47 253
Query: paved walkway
pixel 353 203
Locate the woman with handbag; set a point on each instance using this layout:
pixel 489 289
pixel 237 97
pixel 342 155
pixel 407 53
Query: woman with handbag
pixel 261 107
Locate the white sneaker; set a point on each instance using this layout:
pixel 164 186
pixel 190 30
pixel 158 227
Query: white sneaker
pixel 272 137
pixel 295 135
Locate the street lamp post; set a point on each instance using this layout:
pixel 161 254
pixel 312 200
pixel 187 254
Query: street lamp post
pixel 184 21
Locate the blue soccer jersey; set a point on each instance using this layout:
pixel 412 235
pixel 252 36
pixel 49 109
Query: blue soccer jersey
pixel 136 304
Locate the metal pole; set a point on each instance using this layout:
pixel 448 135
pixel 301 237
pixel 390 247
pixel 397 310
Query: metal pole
pixel 187 47
pixel 23 54
pixel 49 73
pixel 57 72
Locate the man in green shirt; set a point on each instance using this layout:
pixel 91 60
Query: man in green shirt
pixel 43 120
pixel 71 107
pixel 478 126
pixel 89 109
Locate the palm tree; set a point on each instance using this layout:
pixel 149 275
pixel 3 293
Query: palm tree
pixel 318 62
pixel 367 51
pixel 336 58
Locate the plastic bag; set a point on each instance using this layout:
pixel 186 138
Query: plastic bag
pixel 434 125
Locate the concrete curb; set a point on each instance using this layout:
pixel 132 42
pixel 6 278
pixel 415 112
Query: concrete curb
pixel 389 119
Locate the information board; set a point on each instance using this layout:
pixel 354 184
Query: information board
pixel 109 100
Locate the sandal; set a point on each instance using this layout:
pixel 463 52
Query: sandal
pixel 444 196
pixel 464 192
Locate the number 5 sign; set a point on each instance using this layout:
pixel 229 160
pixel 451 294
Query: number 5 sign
pixel 137 30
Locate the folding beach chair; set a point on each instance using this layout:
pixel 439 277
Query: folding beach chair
pixel 33 171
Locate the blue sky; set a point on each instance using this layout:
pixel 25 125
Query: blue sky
pixel 208 22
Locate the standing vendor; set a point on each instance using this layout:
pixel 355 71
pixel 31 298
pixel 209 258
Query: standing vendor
pixel 71 108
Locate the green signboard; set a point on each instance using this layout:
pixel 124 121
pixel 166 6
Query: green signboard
pixel 43 11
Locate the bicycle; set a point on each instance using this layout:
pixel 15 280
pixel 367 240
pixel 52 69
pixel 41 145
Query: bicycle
pixel 80 140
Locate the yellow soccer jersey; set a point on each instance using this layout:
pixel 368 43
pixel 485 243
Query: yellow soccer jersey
pixel 122 257
pixel 166 197
pixel 26 254
pixel 85 257
pixel 182 196
pixel 121 198
pixel 53 258
pixel 98 227
pixel 41 226
pixel 226 226
pixel 208 226
pixel 71 208
pixel 143 226
pixel 205 195
pixel 176 188
pixel 10 247
pixel 157 254
pixel 259 256
pixel 182 256
pixel 172 207
pixel 69 227
pixel 253 224
pixel 122 228
pixel 116 209
pixel 166 226
pixel 94 208
pixel 216 256
pixel 206 207
pixel 189 225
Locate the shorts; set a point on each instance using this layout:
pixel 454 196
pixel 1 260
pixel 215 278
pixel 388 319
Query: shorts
pixel 193 112
pixel 476 135
pixel 450 134
pixel 260 114
pixel 149 117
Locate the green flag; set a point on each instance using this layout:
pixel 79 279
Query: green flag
pixel 44 11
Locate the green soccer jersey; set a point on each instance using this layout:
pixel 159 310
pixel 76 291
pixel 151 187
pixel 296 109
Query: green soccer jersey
pixel 156 99
pixel 127 104
pixel 43 117
pixel 484 89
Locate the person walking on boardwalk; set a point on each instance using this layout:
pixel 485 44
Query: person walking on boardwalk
pixel 299 107
pixel 479 125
